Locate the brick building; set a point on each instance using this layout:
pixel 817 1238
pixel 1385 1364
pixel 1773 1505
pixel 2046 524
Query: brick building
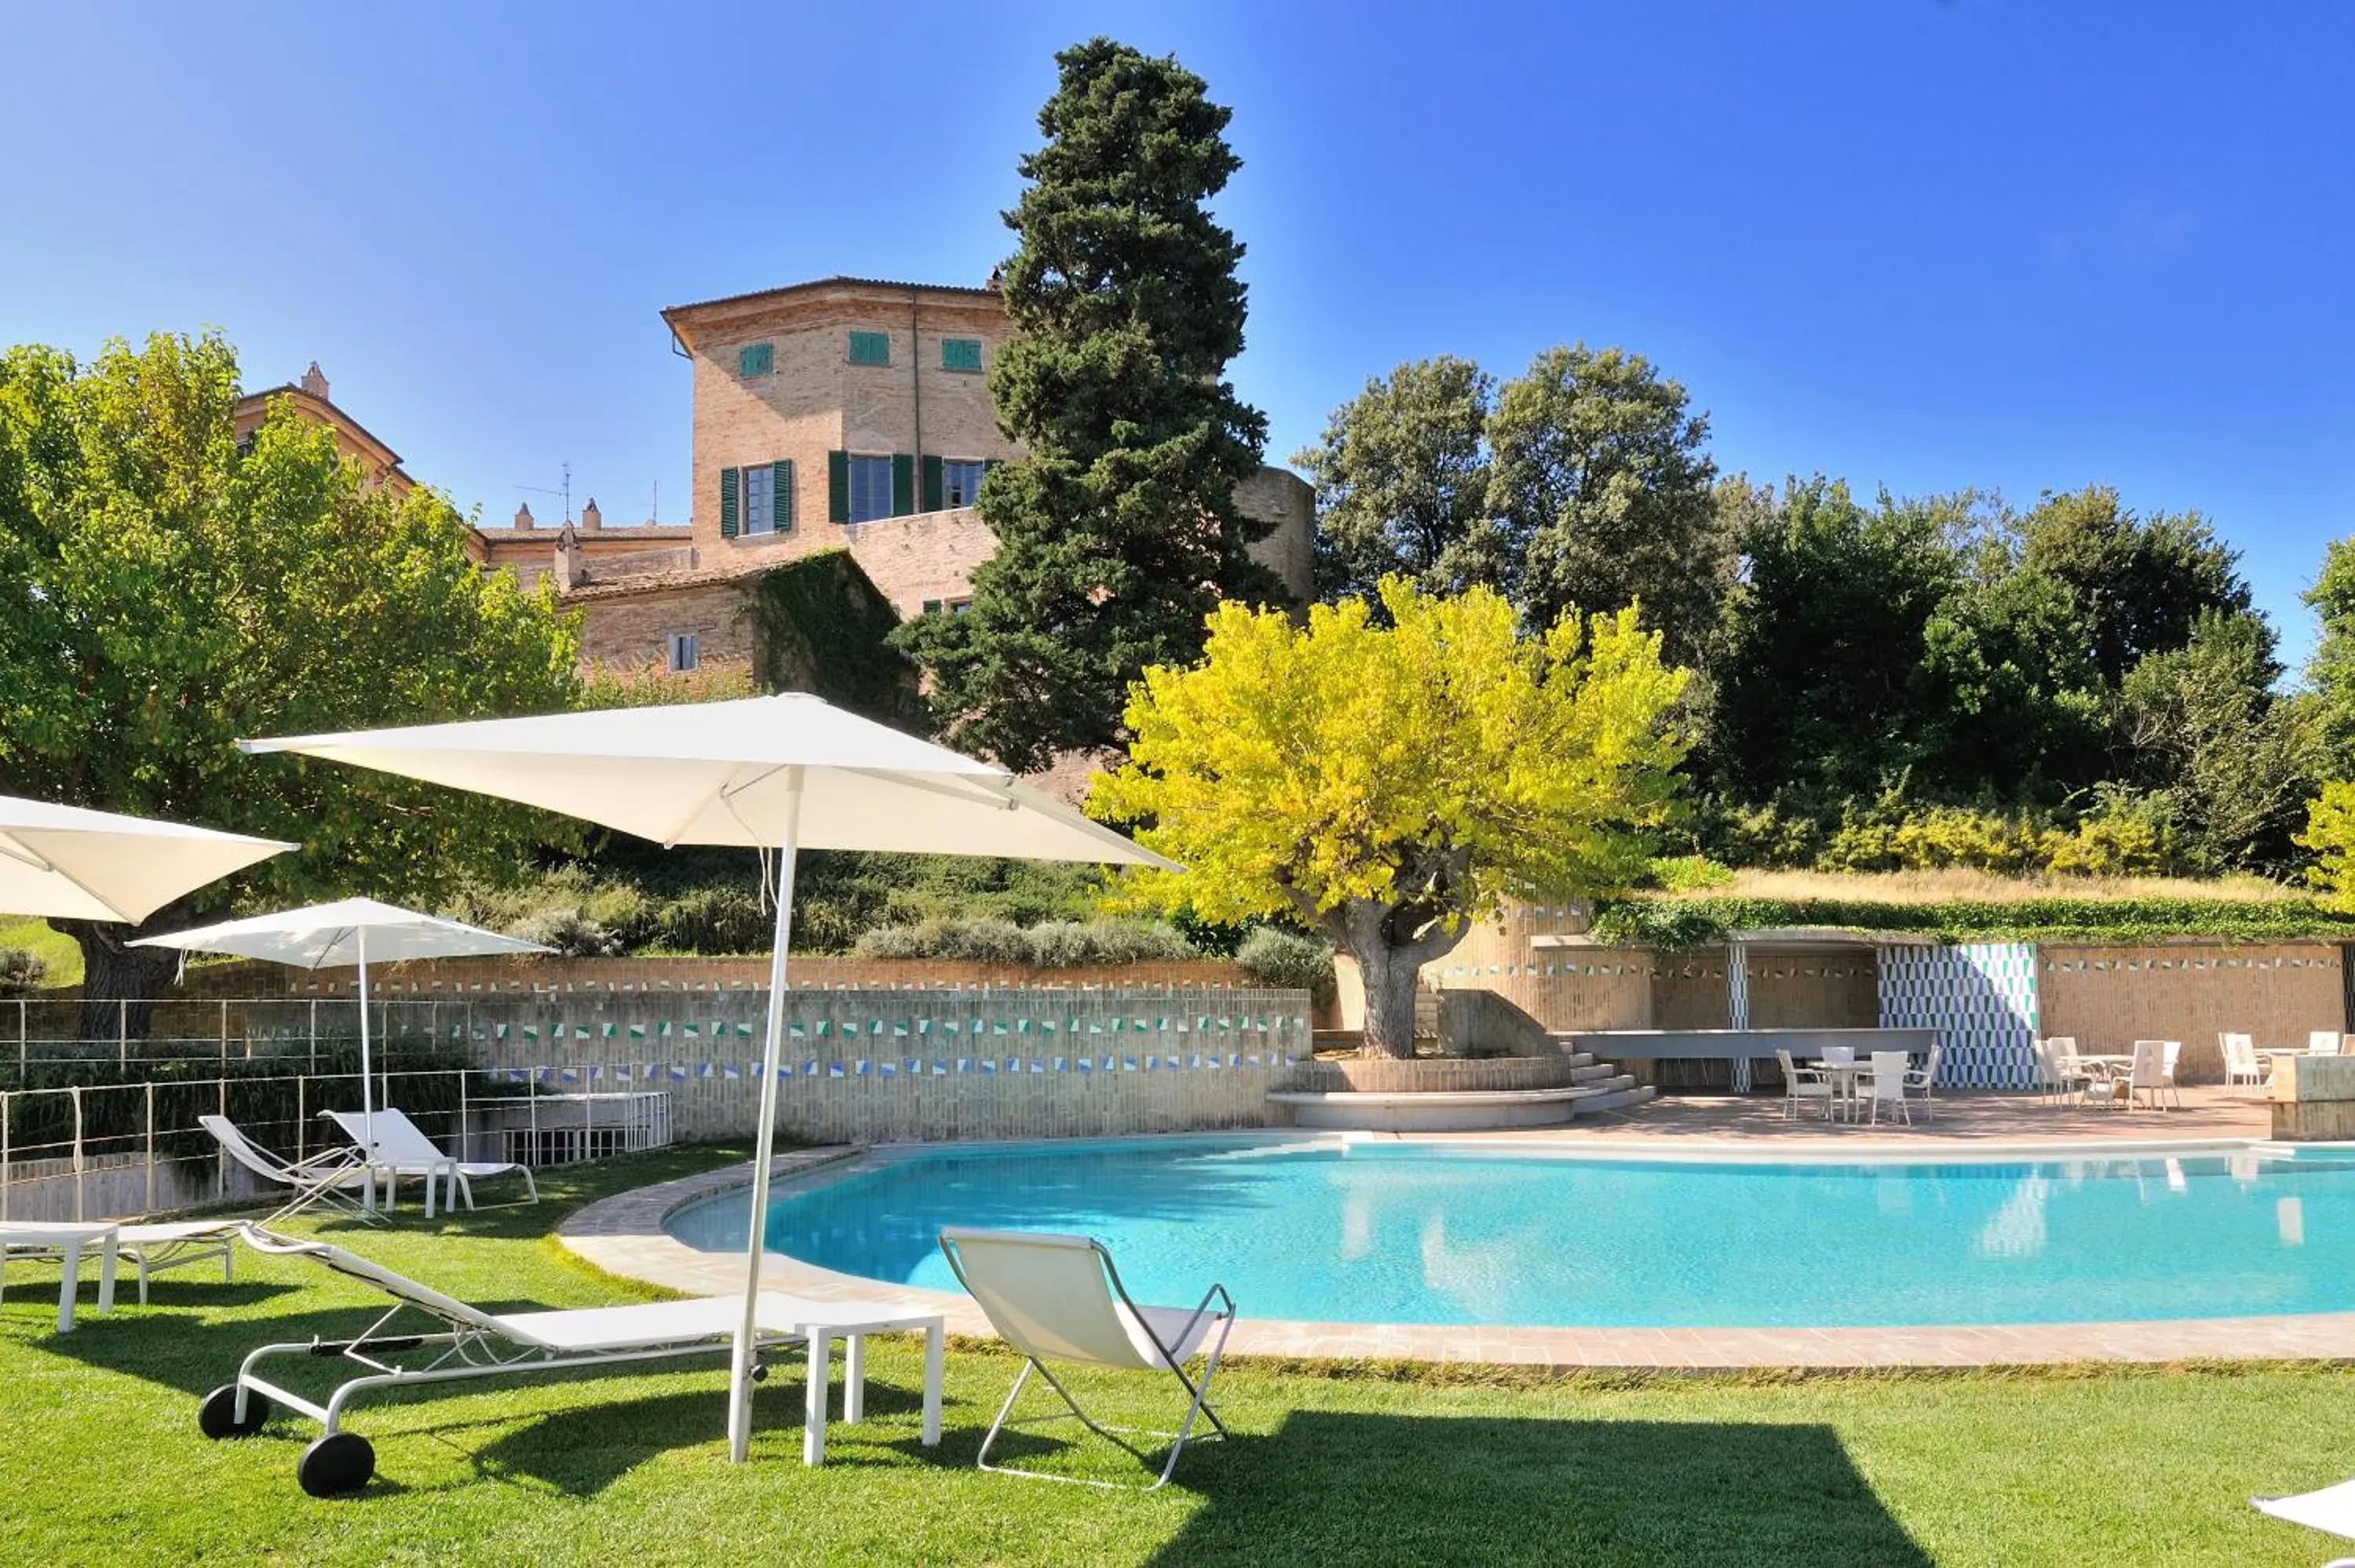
pixel 845 413
pixel 312 405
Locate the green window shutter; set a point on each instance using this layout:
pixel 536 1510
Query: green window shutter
pixel 903 485
pixel 932 485
pixel 728 523
pixel 870 348
pixel 780 494
pixel 931 606
pixel 960 354
pixel 756 359
pixel 838 487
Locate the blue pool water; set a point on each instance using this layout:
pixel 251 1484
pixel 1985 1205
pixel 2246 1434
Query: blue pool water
pixel 1405 1234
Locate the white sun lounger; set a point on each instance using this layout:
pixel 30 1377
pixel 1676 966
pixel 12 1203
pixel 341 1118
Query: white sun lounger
pixel 471 1343
pixel 1058 1298
pixel 334 1177
pixel 2331 1511
pixel 403 1149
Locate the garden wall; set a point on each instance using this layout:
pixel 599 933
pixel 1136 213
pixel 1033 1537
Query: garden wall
pixel 244 978
pixel 872 1066
pixel 2109 997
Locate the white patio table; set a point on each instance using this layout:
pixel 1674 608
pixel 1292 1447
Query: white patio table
pixel 64 1242
pixel 823 1322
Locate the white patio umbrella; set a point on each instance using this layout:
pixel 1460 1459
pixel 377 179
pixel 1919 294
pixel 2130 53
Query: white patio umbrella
pixel 349 931
pixel 787 772
pixel 74 863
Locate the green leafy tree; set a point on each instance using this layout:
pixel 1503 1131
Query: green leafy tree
pixel 1387 785
pixel 1401 478
pixel 2232 762
pixel 2140 584
pixel 2329 836
pixel 1597 464
pixel 165 590
pixel 1116 530
pixel 2330 673
pixel 1820 687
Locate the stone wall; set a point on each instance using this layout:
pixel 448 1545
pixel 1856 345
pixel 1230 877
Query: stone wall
pixel 2109 997
pixel 869 1066
pixel 629 625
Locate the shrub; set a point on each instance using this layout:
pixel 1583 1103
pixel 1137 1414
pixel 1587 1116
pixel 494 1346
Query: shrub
pixel 21 972
pixel 1284 958
pixel 569 932
pixel 1688 874
pixel 2124 839
pixel 719 919
pixel 1052 944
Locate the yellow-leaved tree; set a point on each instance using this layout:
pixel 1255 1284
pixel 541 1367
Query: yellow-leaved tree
pixel 2330 834
pixel 1387 785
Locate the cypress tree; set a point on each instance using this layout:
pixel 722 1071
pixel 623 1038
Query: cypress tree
pixel 1117 531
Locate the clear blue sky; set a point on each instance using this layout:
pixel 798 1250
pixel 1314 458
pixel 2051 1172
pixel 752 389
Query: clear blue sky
pixel 1925 245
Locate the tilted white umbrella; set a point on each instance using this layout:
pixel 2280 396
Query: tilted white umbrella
pixel 349 931
pixel 787 772
pixel 73 863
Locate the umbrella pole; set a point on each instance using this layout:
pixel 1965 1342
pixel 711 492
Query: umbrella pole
pixel 367 1102
pixel 739 1385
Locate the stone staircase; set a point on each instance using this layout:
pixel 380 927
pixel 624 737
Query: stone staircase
pixel 1455 1093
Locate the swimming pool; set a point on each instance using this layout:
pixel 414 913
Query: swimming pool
pixel 1397 1232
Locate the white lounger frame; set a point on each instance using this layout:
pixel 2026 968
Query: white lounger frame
pixel 474 1344
pixel 403 1149
pixel 1198 1393
pixel 329 1177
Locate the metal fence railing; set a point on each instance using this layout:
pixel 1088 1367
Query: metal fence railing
pixel 108 1149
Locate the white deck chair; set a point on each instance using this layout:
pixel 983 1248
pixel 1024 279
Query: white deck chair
pixel 334 1177
pixel 471 1343
pixel 2331 1511
pixel 1803 1085
pixel 403 1149
pixel 2244 1068
pixel 152 1248
pixel 1885 1084
pixel 1058 1298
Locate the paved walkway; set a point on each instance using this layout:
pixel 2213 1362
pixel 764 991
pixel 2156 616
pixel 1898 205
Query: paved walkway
pixel 624 1234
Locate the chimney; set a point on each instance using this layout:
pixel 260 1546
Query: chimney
pixel 568 557
pixel 590 516
pixel 523 516
pixel 315 384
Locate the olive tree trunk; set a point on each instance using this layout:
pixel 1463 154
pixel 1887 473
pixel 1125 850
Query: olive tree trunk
pixel 1390 944
pixel 120 982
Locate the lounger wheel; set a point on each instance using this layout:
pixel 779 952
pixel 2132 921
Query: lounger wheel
pixel 217 1416
pixel 338 1463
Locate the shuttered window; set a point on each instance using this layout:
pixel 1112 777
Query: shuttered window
pixel 870 488
pixel 758 512
pixel 960 354
pixel 780 507
pixel 870 348
pixel 756 359
pixel 961 480
pixel 903 485
pixel 728 513
pixel 928 486
pixel 838 487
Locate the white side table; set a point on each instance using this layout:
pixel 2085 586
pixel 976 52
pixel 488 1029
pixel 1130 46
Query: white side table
pixel 66 1244
pixel 823 1322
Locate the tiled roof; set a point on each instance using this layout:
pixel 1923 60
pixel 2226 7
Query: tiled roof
pixel 670 311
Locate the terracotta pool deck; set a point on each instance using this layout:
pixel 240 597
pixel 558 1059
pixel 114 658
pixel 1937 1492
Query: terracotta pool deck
pixel 624 1234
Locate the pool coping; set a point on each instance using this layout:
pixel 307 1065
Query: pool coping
pixel 625 1236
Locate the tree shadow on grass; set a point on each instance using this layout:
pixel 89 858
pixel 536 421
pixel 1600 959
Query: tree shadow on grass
pixel 1336 1488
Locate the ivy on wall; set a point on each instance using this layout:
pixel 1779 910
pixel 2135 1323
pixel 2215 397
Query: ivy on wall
pixel 821 627
pixel 1682 923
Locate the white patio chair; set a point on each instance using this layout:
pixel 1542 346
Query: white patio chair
pixel 1921 1082
pixel 1885 1086
pixel 470 1343
pixel 2071 1075
pixel 2325 1043
pixel 2243 1069
pixel 334 1177
pixel 1805 1086
pixel 2152 1077
pixel 1058 1298
pixel 403 1149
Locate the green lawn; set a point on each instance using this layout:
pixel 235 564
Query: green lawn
pixel 100 1458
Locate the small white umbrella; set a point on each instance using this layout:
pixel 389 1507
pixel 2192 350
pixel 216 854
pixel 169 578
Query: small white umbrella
pixel 329 935
pixel 72 863
pixel 787 772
